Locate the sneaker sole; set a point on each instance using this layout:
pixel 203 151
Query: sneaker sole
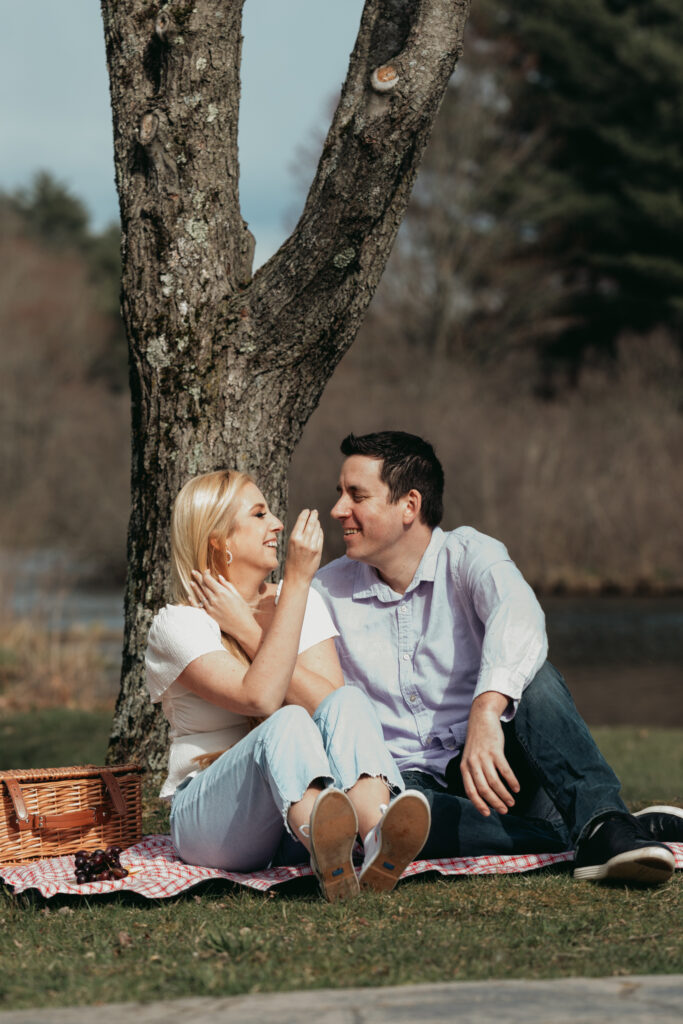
pixel 650 865
pixel 404 832
pixel 676 812
pixel 333 828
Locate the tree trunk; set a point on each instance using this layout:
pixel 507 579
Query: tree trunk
pixel 226 368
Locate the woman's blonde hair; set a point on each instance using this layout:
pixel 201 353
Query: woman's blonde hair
pixel 204 512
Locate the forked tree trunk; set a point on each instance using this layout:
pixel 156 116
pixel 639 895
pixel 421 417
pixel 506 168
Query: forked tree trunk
pixel 226 368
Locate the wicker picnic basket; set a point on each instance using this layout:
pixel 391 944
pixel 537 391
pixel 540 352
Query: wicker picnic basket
pixel 48 812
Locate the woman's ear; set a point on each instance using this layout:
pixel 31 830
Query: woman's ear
pixel 412 505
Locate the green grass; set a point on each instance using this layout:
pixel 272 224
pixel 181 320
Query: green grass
pixel 649 763
pixel 53 737
pixel 220 940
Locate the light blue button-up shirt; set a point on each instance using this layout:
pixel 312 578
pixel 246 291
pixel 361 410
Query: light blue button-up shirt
pixel 468 623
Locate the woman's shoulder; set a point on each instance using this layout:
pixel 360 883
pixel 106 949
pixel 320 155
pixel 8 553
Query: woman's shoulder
pixel 174 619
pixel 179 633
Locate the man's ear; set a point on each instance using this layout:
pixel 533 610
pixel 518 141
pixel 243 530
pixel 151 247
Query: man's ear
pixel 412 503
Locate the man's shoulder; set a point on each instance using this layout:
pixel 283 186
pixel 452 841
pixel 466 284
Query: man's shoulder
pixel 466 540
pixel 466 553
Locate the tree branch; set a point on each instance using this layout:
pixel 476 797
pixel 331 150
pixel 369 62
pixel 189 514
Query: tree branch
pixel 316 288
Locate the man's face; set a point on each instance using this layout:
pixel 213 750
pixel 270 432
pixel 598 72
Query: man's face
pixel 372 525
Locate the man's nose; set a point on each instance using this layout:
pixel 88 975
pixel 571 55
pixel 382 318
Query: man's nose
pixel 340 509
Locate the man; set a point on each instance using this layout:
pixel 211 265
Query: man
pixel 447 639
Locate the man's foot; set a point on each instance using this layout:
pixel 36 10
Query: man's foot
pixel 395 841
pixel 621 850
pixel 662 822
pixel 333 827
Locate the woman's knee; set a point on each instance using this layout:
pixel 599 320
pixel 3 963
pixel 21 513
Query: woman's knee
pixel 291 720
pixel 346 700
pixel 290 733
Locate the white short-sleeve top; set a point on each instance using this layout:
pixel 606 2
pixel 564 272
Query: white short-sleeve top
pixel 179 634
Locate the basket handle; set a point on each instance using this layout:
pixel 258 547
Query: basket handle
pixel 71 819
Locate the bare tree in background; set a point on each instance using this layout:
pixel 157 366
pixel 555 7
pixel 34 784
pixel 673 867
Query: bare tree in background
pixel 460 284
pixel 226 368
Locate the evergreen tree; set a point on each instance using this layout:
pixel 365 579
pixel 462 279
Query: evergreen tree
pixel 604 78
pixel 50 212
pixel 549 208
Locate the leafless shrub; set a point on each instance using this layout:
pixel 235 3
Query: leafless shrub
pixel 585 491
pixel 41 667
pixel 64 448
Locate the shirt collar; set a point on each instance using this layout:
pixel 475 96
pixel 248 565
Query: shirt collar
pixel 368 584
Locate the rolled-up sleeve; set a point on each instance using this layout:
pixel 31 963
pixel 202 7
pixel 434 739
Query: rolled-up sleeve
pixel 515 643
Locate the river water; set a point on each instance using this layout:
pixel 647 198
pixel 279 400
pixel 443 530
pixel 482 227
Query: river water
pixel 622 657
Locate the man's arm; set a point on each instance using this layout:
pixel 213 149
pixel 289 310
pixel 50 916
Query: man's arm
pixel 513 650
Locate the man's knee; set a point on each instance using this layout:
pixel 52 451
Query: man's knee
pixel 548 684
pixel 546 699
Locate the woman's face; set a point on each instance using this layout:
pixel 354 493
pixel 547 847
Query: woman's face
pixel 253 541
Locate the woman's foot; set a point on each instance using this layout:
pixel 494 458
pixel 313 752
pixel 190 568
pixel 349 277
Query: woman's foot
pixel 333 826
pixel 395 841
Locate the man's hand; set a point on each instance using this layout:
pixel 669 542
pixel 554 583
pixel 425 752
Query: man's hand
pixel 485 770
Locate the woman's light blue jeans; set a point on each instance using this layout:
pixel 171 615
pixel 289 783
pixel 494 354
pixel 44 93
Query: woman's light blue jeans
pixel 233 814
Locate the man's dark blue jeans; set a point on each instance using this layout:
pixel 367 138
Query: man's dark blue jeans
pixel 565 783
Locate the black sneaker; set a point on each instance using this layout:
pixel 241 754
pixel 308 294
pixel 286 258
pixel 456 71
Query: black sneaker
pixel 662 822
pixel 621 850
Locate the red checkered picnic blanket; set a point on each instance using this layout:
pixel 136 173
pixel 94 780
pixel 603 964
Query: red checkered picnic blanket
pixel 156 871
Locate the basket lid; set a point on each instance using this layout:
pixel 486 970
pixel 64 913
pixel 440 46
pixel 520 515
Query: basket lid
pixel 82 771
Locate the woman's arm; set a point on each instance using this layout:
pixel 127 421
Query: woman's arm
pixel 317 674
pixel 260 688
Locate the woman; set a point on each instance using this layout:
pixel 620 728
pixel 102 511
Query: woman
pixel 233 648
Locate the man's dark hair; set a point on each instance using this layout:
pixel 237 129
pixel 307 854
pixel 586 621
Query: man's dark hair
pixel 408 463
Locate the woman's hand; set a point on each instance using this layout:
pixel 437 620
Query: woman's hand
pixel 305 548
pixel 224 604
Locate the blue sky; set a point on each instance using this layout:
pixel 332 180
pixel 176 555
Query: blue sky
pixel 54 100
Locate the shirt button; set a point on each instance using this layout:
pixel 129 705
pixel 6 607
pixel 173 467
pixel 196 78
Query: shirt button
pixel 406 657
pixel 412 698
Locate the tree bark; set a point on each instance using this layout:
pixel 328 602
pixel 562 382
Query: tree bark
pixel 226 368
